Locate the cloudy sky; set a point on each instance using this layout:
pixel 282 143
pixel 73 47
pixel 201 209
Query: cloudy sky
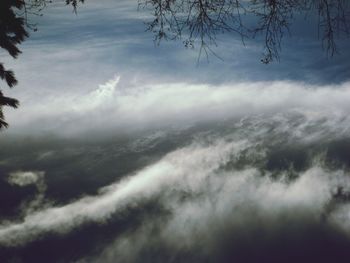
pixel 68 65
pixel 127 151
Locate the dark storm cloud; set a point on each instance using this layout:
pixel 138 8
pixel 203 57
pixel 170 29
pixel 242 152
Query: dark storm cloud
pixel 214 187
pixel 206 201
pixel 189 169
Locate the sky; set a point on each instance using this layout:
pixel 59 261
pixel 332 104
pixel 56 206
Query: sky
pixel 67 61
pixel 127 151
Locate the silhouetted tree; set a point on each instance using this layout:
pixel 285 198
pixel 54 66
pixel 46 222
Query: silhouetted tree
pixel 14 27
pixel 12 33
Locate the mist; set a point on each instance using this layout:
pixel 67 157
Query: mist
pixel 118 107
pixel 267 181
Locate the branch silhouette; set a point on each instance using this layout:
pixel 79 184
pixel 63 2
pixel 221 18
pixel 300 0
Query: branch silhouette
pixel 199 21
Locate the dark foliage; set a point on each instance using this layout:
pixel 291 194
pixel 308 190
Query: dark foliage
pixel 12 33
pixel 14 26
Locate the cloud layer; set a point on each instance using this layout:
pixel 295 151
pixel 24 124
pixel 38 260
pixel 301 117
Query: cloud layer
pixel 213 194
pixel 118 106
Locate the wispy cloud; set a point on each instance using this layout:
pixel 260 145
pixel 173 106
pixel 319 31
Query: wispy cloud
pixel 204 199
pixel 120 105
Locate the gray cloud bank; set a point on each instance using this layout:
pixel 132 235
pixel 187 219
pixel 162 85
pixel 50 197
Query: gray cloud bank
pixel 209 195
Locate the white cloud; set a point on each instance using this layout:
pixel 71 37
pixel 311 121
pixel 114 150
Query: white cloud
pixel 25 178
pixel 119 106
pixel 227 196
